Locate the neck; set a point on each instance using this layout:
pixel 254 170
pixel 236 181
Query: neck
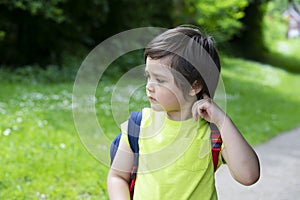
pixel 180 115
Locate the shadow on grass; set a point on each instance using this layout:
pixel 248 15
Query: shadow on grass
pixel 285 57
pixel 287 62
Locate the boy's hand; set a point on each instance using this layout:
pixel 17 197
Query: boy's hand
pixel 208 110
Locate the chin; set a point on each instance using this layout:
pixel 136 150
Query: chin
pixel 157 107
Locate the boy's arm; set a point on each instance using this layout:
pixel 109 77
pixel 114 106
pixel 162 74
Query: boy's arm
pixel 119 173
pixel 240 157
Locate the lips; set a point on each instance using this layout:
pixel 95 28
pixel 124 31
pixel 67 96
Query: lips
pixel 151 99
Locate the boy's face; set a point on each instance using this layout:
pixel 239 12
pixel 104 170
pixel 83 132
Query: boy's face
pixel 162 92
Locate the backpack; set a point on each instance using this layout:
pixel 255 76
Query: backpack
pixel 134 123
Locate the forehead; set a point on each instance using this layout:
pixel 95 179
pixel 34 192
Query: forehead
pixel 163 64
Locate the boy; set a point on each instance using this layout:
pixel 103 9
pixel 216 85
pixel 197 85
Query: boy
pixel 182 70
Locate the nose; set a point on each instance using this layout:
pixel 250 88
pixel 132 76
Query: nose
pixel 150 86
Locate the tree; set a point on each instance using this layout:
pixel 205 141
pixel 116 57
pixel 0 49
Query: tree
pixel 251 37
pixel 219 17
pixel 128 14
pixel 38 32
pixel 42 31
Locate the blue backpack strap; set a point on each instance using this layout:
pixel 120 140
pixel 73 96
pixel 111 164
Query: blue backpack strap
pixel 134 123
pixel 216 144
pixel 114 147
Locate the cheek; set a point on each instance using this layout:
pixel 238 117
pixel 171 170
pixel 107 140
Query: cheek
pixel 169 96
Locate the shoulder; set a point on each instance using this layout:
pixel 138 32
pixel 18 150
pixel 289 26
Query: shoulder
pixel 149 116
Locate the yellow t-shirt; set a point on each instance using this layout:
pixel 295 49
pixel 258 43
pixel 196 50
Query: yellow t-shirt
pixel 175 160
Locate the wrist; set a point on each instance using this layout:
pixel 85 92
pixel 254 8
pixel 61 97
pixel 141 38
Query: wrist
pixel 223 119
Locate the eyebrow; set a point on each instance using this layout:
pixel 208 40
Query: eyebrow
pixel 156 75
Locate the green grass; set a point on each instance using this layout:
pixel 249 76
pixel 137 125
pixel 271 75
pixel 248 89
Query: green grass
pixel 284 54
pixel 262 100
pixel 42 156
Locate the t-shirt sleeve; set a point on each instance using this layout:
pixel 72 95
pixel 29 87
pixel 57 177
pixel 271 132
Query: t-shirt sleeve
pixel 124 132
pixel 124 137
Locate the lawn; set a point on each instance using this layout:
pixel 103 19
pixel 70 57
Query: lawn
pixel 42 156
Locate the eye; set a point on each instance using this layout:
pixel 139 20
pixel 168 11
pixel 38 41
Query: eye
pixel 160 80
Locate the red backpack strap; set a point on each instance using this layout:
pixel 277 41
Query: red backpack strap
pixel 216 144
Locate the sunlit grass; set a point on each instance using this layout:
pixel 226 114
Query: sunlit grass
pixel 288 47
pixel 41 154
pixel 266 99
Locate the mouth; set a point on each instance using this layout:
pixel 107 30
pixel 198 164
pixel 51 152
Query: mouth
pixel 151 99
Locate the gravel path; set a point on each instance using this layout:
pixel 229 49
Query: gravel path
pixel 280 172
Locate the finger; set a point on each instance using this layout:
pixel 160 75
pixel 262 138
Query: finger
pixel 194 111
pixel 195 116
pixel 204 111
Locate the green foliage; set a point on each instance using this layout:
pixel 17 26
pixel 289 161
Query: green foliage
pixel 264 27
pixel 47 9
pixel 275 21
pixel 251 38
pixel 275 26
pixel 282 52
pixel 128 14
pixel 40 32
pixel 2 35
pixel 219 17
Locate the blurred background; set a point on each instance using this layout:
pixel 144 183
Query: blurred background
pixel 43 43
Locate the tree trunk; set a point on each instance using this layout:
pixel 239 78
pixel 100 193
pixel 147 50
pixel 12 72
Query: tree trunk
pixel 249 43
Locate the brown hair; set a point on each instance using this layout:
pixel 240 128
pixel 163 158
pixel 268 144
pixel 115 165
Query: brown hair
pixel 192 54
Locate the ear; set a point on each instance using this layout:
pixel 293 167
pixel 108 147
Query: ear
pixel 196 88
